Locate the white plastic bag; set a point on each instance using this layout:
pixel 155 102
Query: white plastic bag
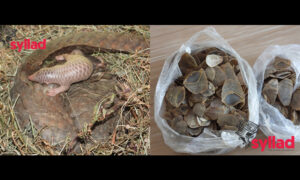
pixel 272 122
pixel 207 141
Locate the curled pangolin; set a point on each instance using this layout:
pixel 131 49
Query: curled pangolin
pixel 77 68
pixel 60 116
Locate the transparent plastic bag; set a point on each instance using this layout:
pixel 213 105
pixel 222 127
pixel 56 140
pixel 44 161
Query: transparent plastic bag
pixel 272 122
pixel 207 141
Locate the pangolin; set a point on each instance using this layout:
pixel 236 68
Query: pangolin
pixel 63 116
pixel 77 68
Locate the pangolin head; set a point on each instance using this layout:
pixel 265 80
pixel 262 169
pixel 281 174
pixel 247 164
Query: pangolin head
pixel 35 77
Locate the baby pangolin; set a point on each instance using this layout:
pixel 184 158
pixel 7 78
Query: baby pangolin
pixel 76 68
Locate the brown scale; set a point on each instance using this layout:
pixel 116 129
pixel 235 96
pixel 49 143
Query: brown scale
pixel 215 94
pixel 279 82
pixel 62 115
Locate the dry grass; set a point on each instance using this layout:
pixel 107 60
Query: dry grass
pixel 131 135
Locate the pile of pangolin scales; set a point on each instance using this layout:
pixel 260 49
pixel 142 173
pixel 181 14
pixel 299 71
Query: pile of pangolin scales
pixel 210 94
pixel 278 89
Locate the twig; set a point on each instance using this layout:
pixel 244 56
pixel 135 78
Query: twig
pixel 14 141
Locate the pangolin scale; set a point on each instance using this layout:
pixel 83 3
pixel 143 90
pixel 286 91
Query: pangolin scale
pixel 64 116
